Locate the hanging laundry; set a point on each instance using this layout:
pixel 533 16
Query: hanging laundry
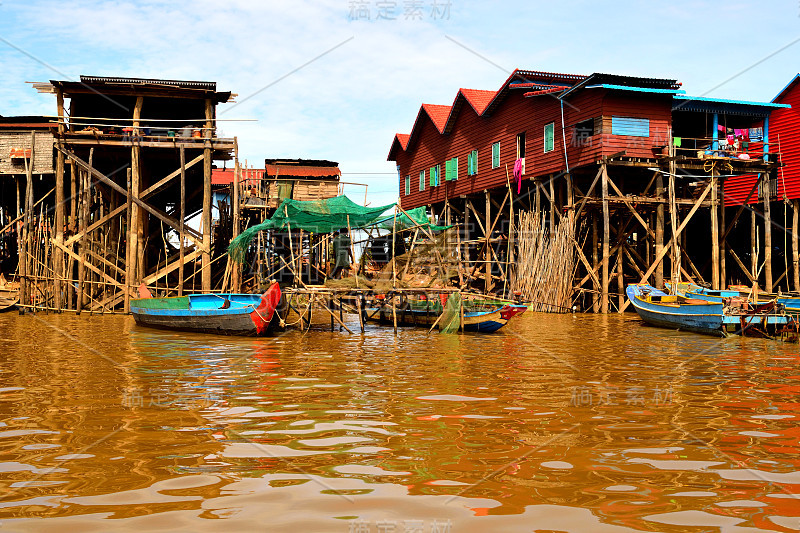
pixel 720 127
pixel 756 134
pixel 518 174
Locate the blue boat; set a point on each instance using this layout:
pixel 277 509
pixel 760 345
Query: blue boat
pixel 481 318
pixel 223 314
pixel 675 311
pixel 791 303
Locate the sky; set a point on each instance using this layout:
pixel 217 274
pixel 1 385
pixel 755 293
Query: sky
pixel 336 79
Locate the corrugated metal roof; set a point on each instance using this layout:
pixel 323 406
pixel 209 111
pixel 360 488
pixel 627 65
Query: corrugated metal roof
pixel 182 84
pixel 727 101
pixel 635 89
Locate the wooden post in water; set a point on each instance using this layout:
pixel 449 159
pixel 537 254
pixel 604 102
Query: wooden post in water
pixel 206 255
pixel 236 273
pixel 595 244
pixel 488 249
pixel 795 247
pixel 658 277
pixel 767 234
pixel 753 249
pixel 130 244
pixel 606 239
pixel 715 281
pixel 675 275
pixel 182 221
pixel 58 223
pixel 723 271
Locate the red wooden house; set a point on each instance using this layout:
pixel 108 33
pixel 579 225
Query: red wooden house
pixel 565 131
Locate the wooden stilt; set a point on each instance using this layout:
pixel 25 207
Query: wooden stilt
pixel 236 274
pixel 182 221
pixel 606 243
pixel 767 234
pixel 753 249
pixel 58 223
pixel 206 258
pixel 675 274
pixel 595 285
pixel 723 271
pixel 620 276
pixel 795 247
pixel 715 281
pixel 658 277
pixel 487 247
pixel 130 244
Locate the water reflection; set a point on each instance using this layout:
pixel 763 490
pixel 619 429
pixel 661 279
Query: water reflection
pixel 573 423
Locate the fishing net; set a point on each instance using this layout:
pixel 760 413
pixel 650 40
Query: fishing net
pixel 451 316
pixel 314 216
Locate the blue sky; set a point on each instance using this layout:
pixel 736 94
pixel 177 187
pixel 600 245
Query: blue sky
pixel 362 79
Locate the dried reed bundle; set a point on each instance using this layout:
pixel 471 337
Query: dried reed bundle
pixel 545 263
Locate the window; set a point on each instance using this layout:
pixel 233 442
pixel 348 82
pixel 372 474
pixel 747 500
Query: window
pixel 549 137
pixel 451 169
pixel 496 155
pixel 472 163
pixel 422 180
pixel 521 145
pixel 434 177
pixel 635 127
pixel 581 133
pixel 408 184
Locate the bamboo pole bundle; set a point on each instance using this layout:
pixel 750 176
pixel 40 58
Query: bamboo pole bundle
pixel 544 263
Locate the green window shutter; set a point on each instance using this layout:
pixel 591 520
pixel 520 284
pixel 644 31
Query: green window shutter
pixel 474 167
pixel 469 163
pixel 448 170
pixel 495 155
pixel 455 168
pixel 433 177
pixel 549 137
pixel 422 180
pixel 408 185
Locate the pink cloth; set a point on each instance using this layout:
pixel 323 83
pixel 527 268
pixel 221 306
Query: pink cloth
pixel 518 174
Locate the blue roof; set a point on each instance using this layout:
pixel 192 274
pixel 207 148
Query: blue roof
pixel 636 89
pixel 726 101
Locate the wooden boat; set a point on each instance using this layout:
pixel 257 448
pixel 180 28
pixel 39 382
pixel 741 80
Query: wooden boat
pixel 719 318
pixel 675 311
pixel 223 314
pixel 484 317
pixel 791 303
pixel 9 298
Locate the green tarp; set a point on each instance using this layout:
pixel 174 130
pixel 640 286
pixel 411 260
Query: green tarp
pixel 317 216
pixel 416 217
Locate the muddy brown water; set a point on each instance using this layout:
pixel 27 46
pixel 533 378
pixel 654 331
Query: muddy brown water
pixel 556 423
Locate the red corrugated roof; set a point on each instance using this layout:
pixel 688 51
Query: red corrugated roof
pixel 438 114
pixel 478 98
